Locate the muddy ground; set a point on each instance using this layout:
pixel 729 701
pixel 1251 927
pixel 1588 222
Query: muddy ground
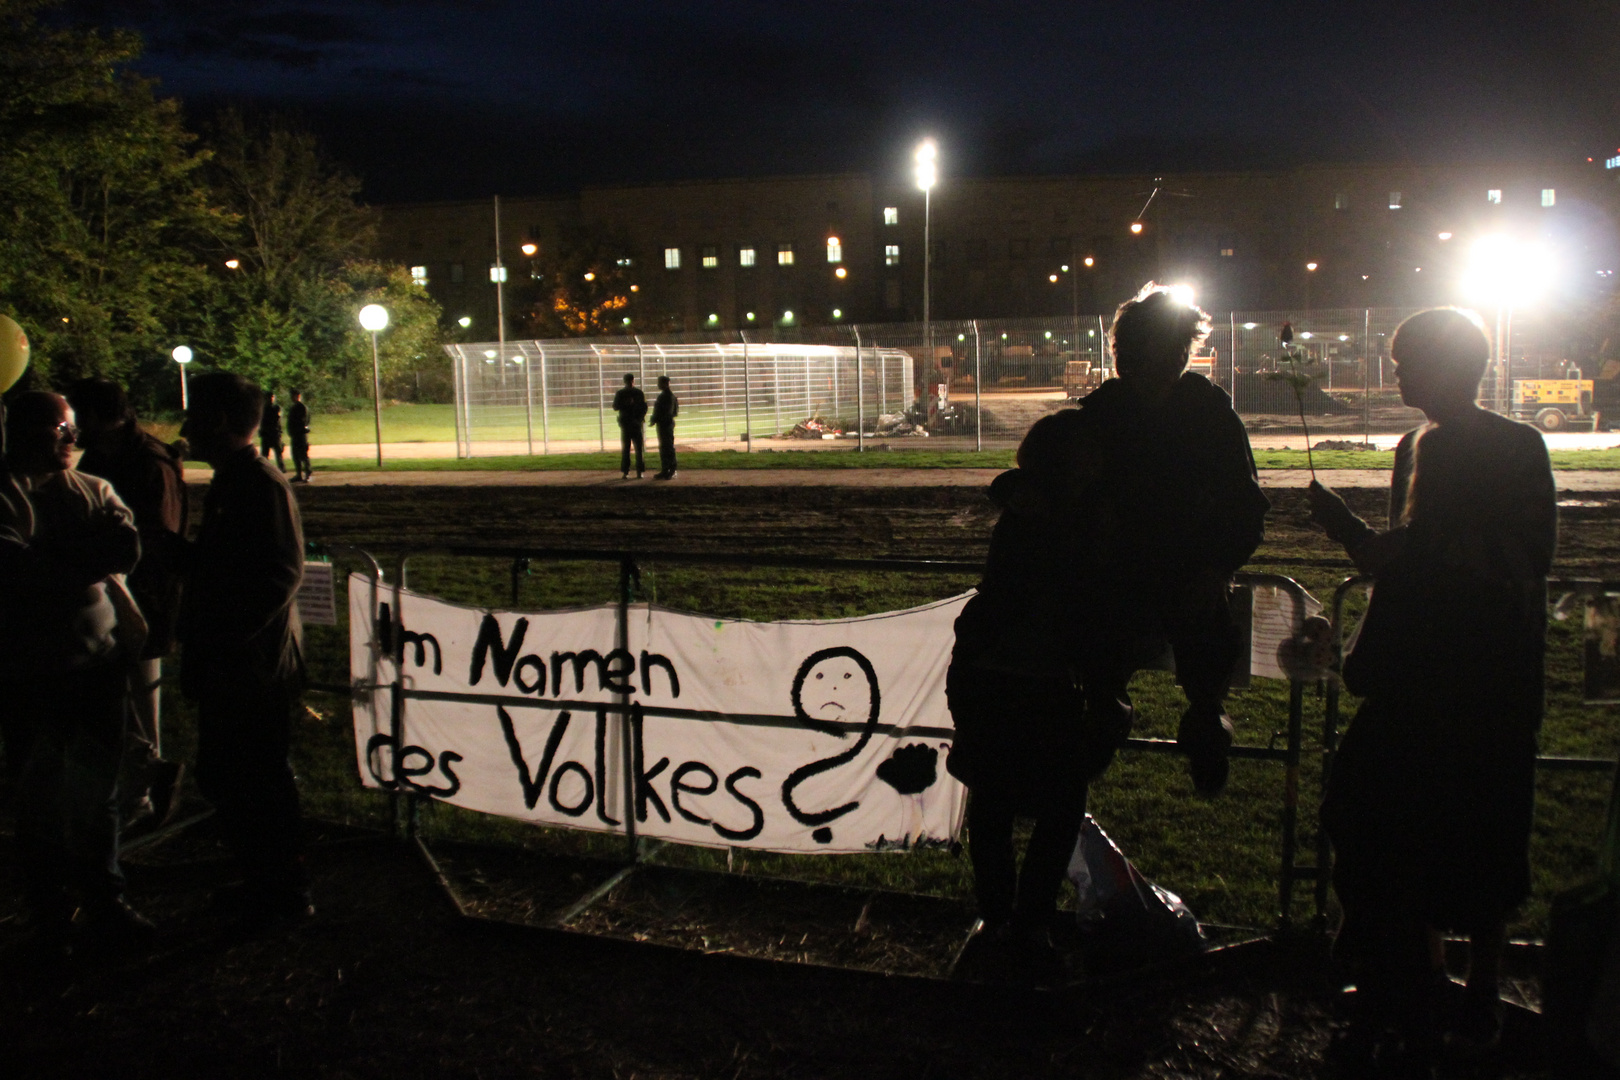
pixel 389 980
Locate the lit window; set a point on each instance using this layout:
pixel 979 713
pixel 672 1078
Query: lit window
pixel 1394 200
pixel 835 250
pixel 419 276
pixel 672 258
pixel 458 273
pixel 711 257
pixel 784 254
pixel 1549 196
pixel 1227 253
pixel 1494 195
pixel 745 256
pixel 891 254
pixel 891 215
pixel 1341 200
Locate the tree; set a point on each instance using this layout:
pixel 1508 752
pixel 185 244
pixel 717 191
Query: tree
pixel 579 286
pixel 106 224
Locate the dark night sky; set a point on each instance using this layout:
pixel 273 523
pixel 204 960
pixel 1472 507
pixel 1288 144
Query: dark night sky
pixel 431 99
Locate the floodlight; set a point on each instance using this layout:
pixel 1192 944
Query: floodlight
pixel 838 313
pixel 590 275
pixel 1310 266
pixel 787 316
pixel 1505 273
pixel 182 354
pixel 489 354
pixel 1182 294
pixel 1306 335
pixel 1445 236
pixel 530 248
pixel 1064 268
pixel 1090 261
pixel 927 165
pixel 232 264
pixel 465 321
pixel 374 317
pixel 1052 278
pixel 1049 335
pixel 840 272
pixel 713 317
pixel 1136 226
pixel 1250 325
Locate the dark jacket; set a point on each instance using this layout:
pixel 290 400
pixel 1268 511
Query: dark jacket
pixel 298 422
pixel 239 621
pixel 270 425
pixel 148 476
pixel 666 408
pixel 1182 477
pixel 631 405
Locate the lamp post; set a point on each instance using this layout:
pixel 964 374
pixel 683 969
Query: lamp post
pixel 182 356
pixel 374 317
pixel 927 174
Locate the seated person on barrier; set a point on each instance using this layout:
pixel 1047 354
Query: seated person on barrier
pixel 1179 479
pixel 1429 804
pixel 1016 703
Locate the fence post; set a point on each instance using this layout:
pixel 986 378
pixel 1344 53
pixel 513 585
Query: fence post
pixel 725 422
pixel 978 381
pixel 1290 817
pixel 748 401
pixel 1366 376
pixel 627 723
pixel 601 401
pixel 860 395
pixel 776 388
pixel 1324 850
pixel 545 404
pixel 455 389
pixel 528 398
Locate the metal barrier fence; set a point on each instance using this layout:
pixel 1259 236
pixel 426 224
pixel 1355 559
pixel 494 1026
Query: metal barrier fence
pixel 406 800
pixel 541 395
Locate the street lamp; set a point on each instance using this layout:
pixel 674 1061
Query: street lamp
pixel 374 317
pixel 182 356
pixel 927 174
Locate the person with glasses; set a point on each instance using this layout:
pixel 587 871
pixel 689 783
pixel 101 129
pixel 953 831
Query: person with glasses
pixel 66 627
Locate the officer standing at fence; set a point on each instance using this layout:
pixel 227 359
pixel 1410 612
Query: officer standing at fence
pixel 243 658
pixel 270 431
pixel 631 405
pixel 298 433
pixel 665 409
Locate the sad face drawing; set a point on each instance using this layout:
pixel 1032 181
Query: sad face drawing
pixel 835 692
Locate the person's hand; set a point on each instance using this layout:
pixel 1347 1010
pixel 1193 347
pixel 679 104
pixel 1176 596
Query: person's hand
pixel 1329 511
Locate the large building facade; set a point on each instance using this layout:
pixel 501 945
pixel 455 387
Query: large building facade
pixel 820 250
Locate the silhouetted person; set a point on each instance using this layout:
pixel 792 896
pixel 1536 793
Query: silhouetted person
pixel 298 436
pixel 666 407
pixel 63 539
pixel 1286 336
pixel 1017 707
pixel 631 405
pixel 270 431
pixel 1179 484
pixel 1430 800
pixel 242 660
pixel 147 475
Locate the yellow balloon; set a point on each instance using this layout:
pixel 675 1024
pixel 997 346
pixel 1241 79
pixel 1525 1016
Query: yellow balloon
pixel 13 353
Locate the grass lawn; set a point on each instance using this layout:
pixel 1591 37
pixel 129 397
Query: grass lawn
pixel 847 458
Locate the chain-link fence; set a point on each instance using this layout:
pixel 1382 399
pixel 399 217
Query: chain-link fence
pixel 541 396
pixel 986 378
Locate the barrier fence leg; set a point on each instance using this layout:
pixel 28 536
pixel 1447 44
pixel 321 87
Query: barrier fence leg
pixel 1324 850
pixel 627 569
pixel 1290 818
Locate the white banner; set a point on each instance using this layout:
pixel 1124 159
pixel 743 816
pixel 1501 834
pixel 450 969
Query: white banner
pixel 787 736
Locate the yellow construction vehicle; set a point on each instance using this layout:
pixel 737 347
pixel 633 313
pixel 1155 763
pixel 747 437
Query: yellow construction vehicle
pixel 1555 404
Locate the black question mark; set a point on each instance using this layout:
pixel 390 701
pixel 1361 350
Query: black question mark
pixel 820 818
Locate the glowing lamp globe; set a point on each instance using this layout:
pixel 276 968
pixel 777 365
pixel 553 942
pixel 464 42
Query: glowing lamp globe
pixel 374 317
pixel 14 351
pixel 182 354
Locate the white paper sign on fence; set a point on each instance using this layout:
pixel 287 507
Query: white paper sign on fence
pixel 790 736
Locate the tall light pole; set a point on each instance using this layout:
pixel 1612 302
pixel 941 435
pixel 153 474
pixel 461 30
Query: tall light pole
pixel 374 317
pixel 182 356
pixel 927 174
pixel 1506 273
pixel 497 274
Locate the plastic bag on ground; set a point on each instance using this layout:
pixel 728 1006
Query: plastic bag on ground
pixel 1126 920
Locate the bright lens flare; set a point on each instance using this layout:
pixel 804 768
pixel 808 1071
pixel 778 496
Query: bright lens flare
pixel 1182 294
pixel 927 164
pixel 1503 272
